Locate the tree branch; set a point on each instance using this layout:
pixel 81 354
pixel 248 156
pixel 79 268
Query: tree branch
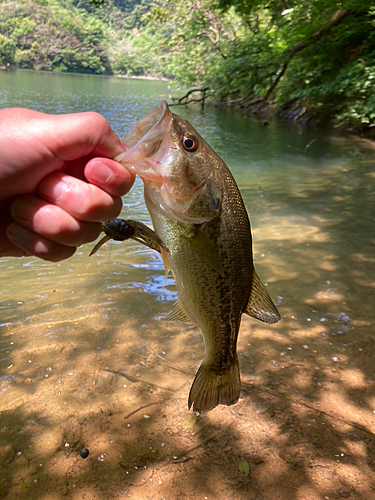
pixel 301 45
pixel 214 41
pixel 318 35
pixel 274 84
pixel 191 100
pixel 180 99
pixel 203 90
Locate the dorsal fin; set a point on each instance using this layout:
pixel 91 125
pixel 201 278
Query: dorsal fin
pixel 260 305
pixel 177 314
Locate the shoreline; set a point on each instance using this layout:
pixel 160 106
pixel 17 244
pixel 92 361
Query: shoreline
pixel 152 78
pixel 134 77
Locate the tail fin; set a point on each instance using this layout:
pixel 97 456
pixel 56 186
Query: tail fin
pixel 211 388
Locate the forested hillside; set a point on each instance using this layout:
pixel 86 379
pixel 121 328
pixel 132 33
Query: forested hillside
pixel 313 59
pixel 78 36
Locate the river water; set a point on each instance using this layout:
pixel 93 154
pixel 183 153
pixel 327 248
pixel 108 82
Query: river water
pixel 70 332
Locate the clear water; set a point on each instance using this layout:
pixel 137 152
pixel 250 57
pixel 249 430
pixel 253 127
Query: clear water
pixel 311 200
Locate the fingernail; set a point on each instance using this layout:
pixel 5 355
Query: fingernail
pixel 58 191
pixel 18 234
pixel 20 208
pixel 101 173
pixel 53 187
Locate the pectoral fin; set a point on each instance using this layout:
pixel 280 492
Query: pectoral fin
pixel 206 250
pixel 260 305
pixel 167 266
pixel 178 314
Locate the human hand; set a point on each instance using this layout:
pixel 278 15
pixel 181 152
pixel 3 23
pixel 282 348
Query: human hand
pixel 57 181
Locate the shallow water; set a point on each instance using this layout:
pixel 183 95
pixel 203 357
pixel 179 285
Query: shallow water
pixel 70 331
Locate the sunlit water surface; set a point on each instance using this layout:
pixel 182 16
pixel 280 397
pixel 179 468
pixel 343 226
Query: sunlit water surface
pixel 311 200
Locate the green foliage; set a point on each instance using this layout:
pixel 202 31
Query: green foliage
pixel 77 36
pixel 189 423
pixel 335 79
pixel 7 50
pixel 135 55
pixel 52 38
pixel 244 467
pixel 315 55
pixel 195 38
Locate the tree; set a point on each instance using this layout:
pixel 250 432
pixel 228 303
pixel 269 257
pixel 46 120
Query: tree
pixel 278 53
pixel 196 38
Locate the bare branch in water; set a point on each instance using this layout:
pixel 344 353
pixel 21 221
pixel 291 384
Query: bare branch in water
pixel 187 100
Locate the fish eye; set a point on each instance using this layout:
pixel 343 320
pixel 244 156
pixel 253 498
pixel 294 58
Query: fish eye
pixel 190 143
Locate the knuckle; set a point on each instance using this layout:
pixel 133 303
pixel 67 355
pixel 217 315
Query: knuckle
pixel 98 205
pixel 99 121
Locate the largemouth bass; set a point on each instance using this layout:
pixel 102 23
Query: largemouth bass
pixel 203 232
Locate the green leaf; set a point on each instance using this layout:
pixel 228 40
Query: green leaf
pixel 188 424
pixel 23 485
pixel 146 416
pixel 263 406
pixel 244 467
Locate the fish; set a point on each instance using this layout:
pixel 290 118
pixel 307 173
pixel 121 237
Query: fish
pixel 202 231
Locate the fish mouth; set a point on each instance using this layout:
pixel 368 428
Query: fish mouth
pixel 145 140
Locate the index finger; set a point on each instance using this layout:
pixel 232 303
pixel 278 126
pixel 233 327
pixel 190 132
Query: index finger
pixel 83 134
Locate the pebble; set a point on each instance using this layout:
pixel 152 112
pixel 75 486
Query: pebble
pixel 84 453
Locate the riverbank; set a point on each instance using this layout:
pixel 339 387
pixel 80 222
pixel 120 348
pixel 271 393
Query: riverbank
pixel 143 77
pixel 266 111
pixel 12 67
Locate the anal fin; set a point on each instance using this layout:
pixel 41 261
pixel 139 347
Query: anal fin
pixel 260 305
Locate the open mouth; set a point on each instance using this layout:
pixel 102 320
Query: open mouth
pixel 145 139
